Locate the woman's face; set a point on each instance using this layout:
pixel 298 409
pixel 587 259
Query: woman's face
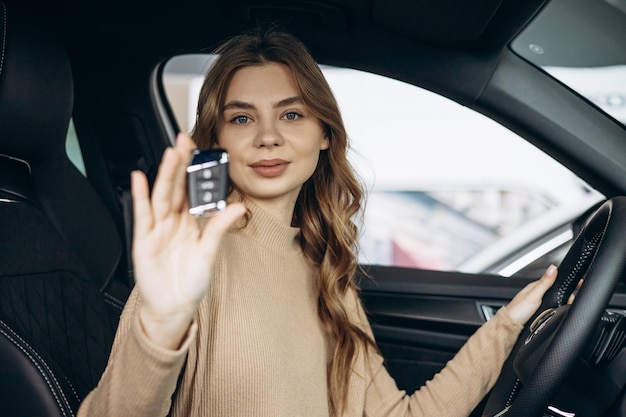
pixel 272 138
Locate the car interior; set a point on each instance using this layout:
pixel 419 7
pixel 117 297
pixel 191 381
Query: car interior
pixel 96 67
pixel 57 327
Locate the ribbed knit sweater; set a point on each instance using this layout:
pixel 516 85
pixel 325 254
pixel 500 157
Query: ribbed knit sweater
pixel 256 348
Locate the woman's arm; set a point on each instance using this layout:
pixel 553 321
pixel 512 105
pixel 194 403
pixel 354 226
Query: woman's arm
pixel 140 377
pixel 172 259
pixel 468 377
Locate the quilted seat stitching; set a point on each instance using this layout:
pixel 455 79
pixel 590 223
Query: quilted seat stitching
pixel 30 353
pixel 76 352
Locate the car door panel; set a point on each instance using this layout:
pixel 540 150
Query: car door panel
pixel 420 318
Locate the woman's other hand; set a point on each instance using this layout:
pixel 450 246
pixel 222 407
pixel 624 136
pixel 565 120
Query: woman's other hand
pixel 527 301
pixel 172 256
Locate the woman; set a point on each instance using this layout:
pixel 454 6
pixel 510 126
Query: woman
pixel 257 313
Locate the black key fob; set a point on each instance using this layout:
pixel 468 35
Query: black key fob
pixel 207 181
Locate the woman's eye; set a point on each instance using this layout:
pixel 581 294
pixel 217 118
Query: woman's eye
pixel 240 120
pixel 292 115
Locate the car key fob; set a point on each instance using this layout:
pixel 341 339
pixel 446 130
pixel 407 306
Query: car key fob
pixel 207 181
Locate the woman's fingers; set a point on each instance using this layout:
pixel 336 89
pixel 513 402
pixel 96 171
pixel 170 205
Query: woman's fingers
pixel 169 193
pixel 184 147
pixel 164 184
pixel 142 209
pixel 526 302
pixel 545 282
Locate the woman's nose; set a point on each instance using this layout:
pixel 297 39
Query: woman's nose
pixel 268 135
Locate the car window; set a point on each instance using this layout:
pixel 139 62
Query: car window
pixel 448 188
pixel 584 48
pixel 72 148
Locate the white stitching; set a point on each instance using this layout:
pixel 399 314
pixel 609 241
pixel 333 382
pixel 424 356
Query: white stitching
pixel 41 371
pixel 4 36
pixel 37 364
pixel 560 294
pixel 512 394
pixel 584 255
pixel 72 388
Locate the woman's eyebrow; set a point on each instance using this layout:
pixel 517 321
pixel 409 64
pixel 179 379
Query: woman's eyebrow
pixel 289 101
pixel 237 104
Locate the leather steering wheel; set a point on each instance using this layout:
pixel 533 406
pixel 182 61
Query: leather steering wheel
pixel 598 255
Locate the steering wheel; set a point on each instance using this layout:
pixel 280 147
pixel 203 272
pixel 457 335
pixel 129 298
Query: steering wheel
pixel 555 337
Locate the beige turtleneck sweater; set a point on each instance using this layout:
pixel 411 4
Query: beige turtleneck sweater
pixel 257 348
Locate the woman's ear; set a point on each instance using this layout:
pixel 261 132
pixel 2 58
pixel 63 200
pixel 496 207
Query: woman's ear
pixel 325 143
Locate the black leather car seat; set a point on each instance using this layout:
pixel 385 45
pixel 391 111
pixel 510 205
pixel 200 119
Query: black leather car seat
pixel 58 244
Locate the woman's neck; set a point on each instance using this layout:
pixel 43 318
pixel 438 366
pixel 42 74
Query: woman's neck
pixel 282 209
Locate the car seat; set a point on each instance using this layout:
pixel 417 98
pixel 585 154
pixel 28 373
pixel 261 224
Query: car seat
pixel 59 246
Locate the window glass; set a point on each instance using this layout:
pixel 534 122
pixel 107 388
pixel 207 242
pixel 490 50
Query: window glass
pixel 581 43
pixel 72 148
pixel 448 189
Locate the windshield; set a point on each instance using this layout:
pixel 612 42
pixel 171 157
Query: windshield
pixel 582 43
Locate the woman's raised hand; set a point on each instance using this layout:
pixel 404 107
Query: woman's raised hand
pixel 172 255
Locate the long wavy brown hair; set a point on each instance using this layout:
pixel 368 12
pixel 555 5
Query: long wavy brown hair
pixel 328 202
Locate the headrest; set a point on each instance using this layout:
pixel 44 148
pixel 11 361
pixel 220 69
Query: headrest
pixel 36 99
pixel 35 105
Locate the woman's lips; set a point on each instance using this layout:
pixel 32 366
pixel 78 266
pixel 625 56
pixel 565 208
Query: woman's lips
pixel 270 167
